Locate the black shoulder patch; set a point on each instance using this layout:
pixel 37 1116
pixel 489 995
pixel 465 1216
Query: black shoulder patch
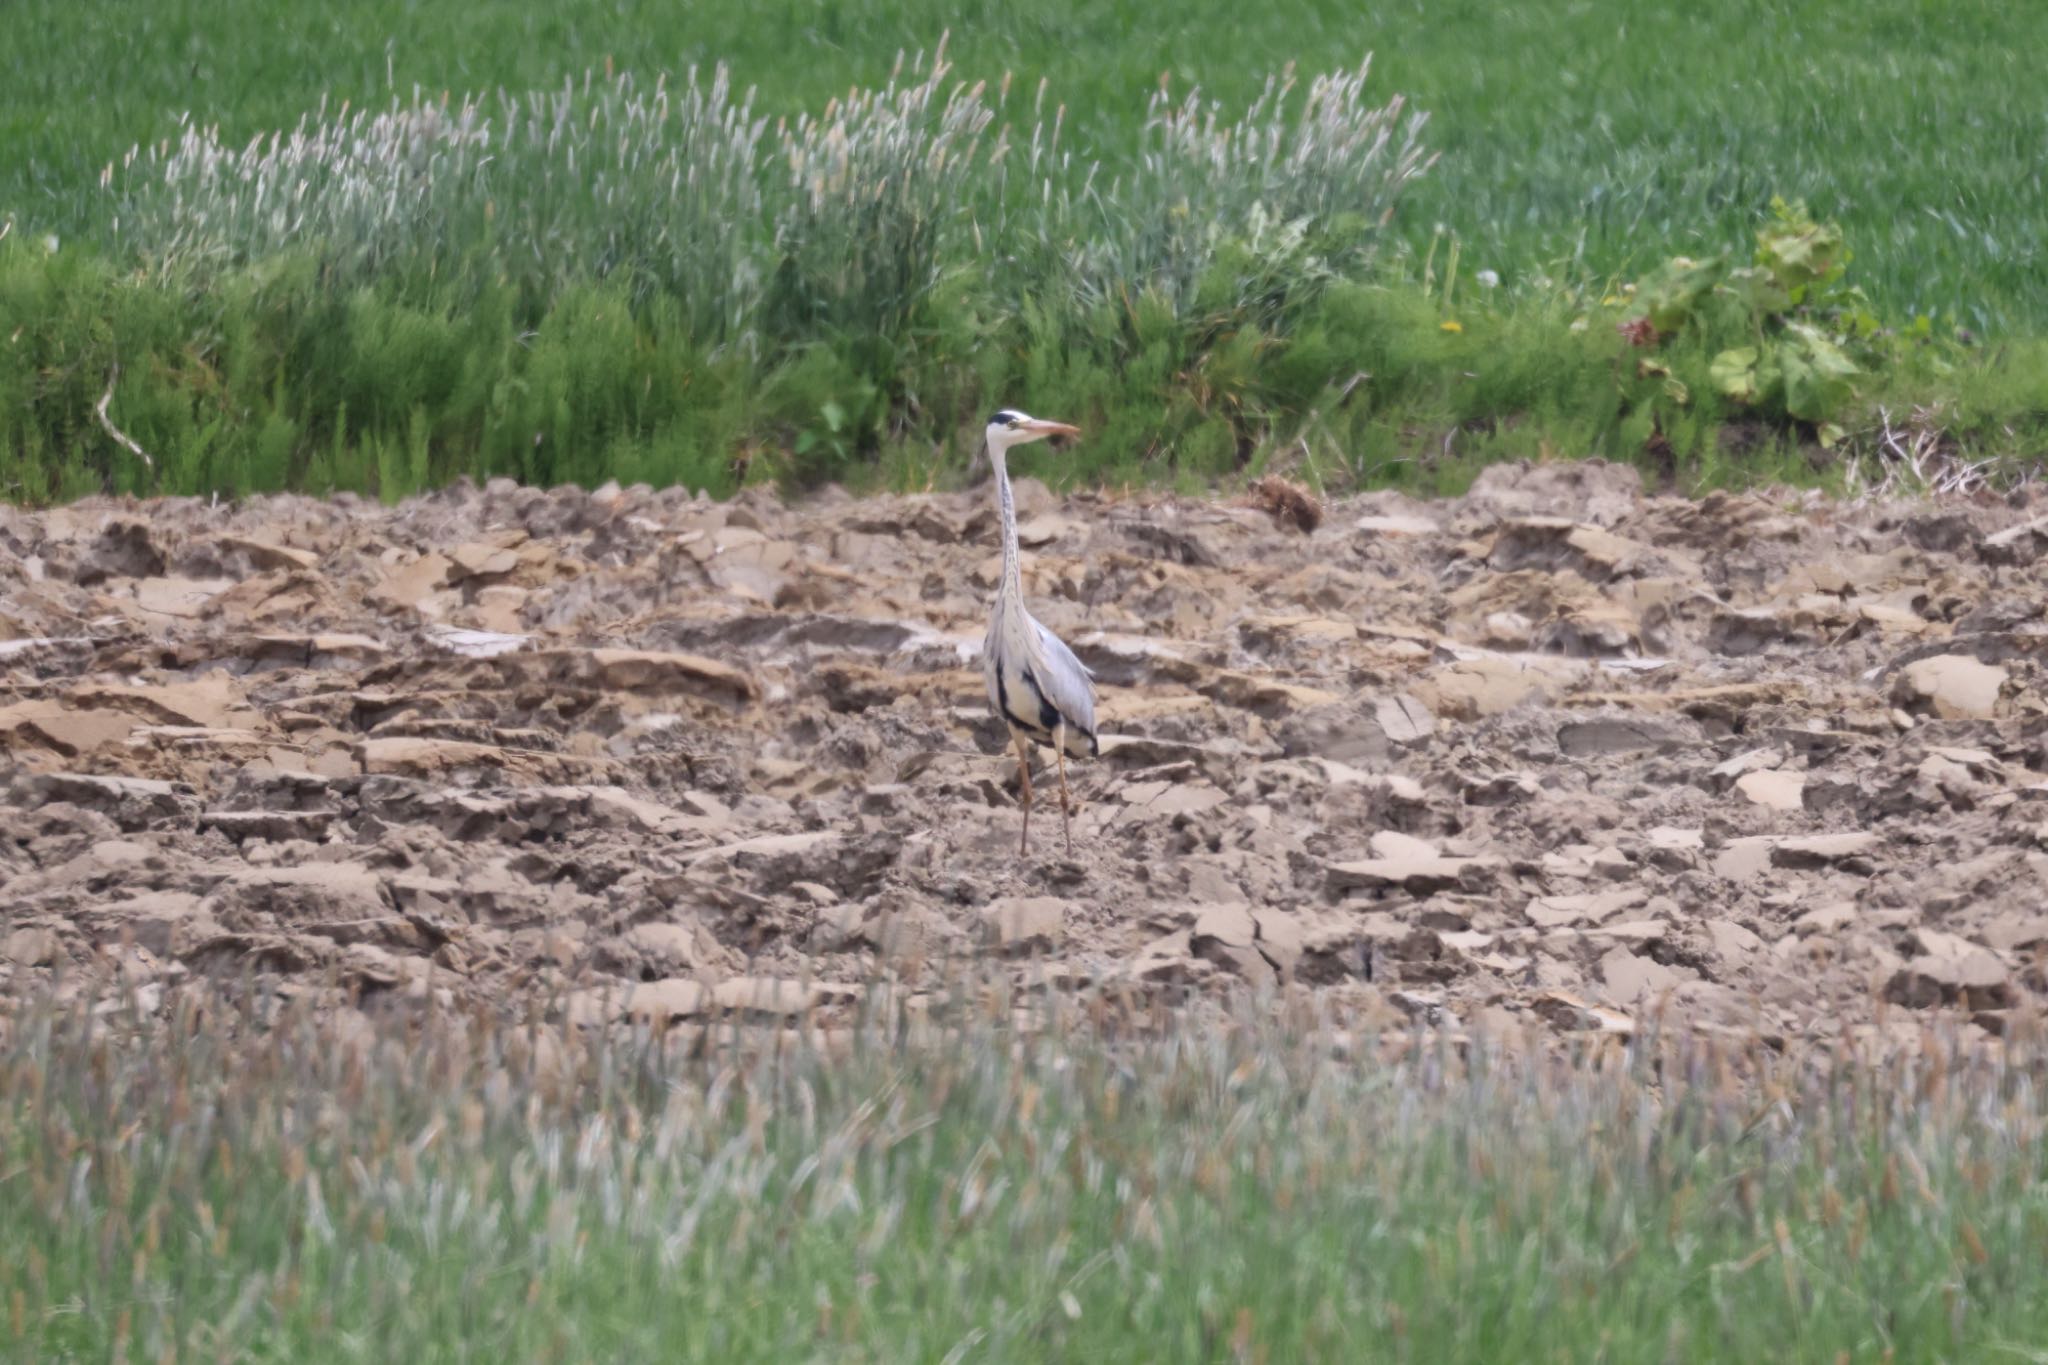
pixel 1017 718
pixel 1049 718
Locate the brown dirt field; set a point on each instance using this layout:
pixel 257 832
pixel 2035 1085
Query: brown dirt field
pixel 1554 754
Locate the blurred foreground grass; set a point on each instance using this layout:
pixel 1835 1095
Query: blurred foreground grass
pixel 261 1182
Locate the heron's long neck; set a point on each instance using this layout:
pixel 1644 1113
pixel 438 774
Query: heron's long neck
pixel 1006 507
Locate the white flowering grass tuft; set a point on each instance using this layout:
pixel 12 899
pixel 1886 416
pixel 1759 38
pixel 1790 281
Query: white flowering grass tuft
pixel 1340 158
pixel 594 180
pixel 877 192
pixel 844 219
pixel 1288 194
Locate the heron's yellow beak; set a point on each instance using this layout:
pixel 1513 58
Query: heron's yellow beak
pixel 1039 427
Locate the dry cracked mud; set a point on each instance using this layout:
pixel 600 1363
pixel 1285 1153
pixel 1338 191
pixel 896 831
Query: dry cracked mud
pixel 1553 755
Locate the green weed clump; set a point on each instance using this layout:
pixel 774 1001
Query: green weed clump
pixel 228 1174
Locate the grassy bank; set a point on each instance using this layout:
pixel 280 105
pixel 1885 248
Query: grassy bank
pixel 272 378
pixel 262 1182
pixel 638 271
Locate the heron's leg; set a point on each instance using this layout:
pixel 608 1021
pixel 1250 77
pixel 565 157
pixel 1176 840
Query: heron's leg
pixel 1059 748
pixel 1024 776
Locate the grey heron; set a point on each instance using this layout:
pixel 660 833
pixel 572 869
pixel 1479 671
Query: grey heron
pixel 1038 688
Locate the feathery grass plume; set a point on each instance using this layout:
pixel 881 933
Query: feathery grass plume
pixel 663 187
pixel 875 203
pixel 1299 194
pixel 842 220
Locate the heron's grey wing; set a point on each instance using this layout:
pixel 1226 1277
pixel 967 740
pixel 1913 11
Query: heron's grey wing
pixel 1064 680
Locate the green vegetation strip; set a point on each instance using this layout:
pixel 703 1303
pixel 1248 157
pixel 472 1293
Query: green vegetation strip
pixel 343 272
pixel 260 1183
pixel 1603 132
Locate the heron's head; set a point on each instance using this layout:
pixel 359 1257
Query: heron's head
pixel 1012 428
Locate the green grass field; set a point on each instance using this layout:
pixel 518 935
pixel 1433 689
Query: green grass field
pixel 1592 135
pixel 257 1184
pixel 608 282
